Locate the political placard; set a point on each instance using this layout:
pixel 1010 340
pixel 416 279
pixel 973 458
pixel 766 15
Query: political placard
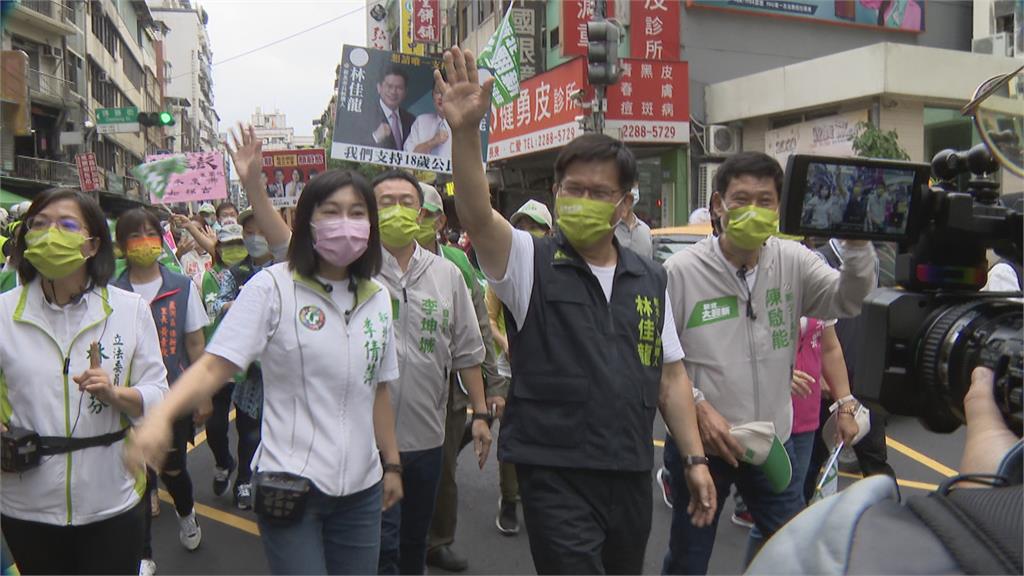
pixel 186 177
pixel 390 114
pixel 286 173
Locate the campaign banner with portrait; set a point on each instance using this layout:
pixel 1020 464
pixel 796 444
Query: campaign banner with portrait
pixel 286 172
pixel 390 114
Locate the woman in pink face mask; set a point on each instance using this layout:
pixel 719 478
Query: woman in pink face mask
pixel 321 328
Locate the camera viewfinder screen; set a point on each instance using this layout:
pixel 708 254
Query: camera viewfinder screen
pixel 841 198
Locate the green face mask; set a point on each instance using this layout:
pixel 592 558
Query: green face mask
pixel 750 226
pixel 232 255
pixel 426 233
pixel 54 252
pixel 584 221
pixel 538 233
pixel 398 225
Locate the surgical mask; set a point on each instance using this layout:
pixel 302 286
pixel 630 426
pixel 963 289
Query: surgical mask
pixel 398 225
pixel 143 252
pixel 341 241
pixel 584 221
pixel 211 221
pixel 749 226
pixel 538 233
pixel 256 245
pixel 427 233
pixel 232 255
pixel 54 252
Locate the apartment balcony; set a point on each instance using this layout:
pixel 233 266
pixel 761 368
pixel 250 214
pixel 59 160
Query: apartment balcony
pixel 52 15
pixel 46 171
pixel 49 88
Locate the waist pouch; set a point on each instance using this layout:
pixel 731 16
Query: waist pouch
pixel 280 497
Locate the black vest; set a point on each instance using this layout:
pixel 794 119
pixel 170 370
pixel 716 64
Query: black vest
pixel 170 308
pixel 585 373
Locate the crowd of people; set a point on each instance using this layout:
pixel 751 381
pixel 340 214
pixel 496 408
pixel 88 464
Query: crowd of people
pixel 856 199
pixel 352 341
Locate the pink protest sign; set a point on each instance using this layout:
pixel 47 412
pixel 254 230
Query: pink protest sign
pixel 205 179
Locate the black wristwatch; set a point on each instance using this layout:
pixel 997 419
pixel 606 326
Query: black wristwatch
pixel 396 468
pixel 483 416
pixel 694 460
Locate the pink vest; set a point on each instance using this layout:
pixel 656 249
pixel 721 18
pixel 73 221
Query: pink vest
pixel 806 411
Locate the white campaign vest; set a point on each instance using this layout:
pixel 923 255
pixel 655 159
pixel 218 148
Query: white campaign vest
pixel 37 391
pixel 320 376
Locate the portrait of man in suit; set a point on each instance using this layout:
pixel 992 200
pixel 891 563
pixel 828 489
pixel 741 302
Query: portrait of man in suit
pixel 389 124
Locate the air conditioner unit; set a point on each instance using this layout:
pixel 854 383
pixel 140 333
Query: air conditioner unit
pixel 705 184
pixel 721 140
pixel 998 45
pixel 104 77
pixel 53 52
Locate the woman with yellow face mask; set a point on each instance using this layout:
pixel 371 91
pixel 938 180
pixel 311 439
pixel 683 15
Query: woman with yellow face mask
pixel 180 317
pixel 78 360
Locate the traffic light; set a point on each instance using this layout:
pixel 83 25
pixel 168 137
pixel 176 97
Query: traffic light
pixel 602 53
pixel 156 119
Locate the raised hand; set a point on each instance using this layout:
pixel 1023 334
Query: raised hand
pixel 247 155
pixel 465 101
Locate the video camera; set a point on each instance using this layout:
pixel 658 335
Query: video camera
pixel 920 343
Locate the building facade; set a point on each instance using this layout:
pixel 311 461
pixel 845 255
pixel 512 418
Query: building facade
pixel 188 74
pixel 737 76
pixel 76 58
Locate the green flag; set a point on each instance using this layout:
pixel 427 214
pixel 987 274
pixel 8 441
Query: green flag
pixel 157 174
pixel 501 57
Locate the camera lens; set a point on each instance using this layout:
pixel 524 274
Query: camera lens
pixel 960 337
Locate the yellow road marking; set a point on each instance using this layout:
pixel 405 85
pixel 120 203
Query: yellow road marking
pixel 905 483
pixel 233 520
pixel 920 458
pixel 243 524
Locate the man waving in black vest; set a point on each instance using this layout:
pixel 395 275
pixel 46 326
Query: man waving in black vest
pixel 594 352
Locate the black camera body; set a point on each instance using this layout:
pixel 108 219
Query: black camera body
pixel 918 350
pixel 918 344
pixel 20 450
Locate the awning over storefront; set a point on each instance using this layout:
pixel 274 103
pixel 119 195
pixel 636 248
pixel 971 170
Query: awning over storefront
pixel 8 199
pixel 929 74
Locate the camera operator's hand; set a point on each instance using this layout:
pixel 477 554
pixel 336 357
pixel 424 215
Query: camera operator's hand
pixel 988 438
pixel 714 433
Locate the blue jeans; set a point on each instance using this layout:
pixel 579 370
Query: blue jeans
pixel 336 535
pixel 803 445
pixel 404 527
pixel 689 548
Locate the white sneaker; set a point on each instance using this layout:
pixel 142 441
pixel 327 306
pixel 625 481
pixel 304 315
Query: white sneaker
pixel 147 568
pixel 190 533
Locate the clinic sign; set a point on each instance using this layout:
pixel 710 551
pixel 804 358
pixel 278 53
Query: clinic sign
pixel 655 29
pixel 650 103
pixel 544 115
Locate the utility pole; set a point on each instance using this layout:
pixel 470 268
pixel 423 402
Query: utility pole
pixel 602 59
